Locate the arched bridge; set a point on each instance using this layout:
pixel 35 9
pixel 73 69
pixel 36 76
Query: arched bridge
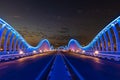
pixel 106 44
pixel 74 45
pixel 106 41
pixel 11 42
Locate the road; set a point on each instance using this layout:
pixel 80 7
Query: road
pixel 27 68
pixel 92 68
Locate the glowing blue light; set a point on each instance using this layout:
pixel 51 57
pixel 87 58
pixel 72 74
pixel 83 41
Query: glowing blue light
pixel 95 39
pixel 27 47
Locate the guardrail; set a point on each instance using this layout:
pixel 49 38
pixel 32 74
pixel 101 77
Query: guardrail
pixel 15 56
pixel 106 55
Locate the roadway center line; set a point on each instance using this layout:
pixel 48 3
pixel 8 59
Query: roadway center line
pixel 42 72
pixel 74 69
pixel 59 70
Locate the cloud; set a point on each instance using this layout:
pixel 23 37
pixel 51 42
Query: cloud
pixel 64 30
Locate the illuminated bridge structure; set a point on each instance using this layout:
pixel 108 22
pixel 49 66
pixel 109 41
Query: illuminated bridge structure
pixel 11 42
pixel 106 41
pixel 106 44
pixel 74 45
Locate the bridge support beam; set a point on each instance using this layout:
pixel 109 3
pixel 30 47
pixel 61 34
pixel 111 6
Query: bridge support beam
pixel 96 48
pixel 106 41
pixel 111 40
pixel 101 40
pixel 18 46
pixel 6 40
pixel 24 46
pixel 119 23
pixel 15 43
pixel 21 45
pixel 98 42
pixel 117 38
pixel 1 33
pixel 11 42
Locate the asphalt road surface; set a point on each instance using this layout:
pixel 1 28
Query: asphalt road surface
pixel 92 68
pixel 27 68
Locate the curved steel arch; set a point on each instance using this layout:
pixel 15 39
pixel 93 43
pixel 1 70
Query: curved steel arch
pixel 74 45
pixel 45 44
pixel 101 39
pixel 19 42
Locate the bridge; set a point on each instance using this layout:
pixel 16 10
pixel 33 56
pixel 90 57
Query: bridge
pixel 106 43
pixel 99 60
pixel 12 43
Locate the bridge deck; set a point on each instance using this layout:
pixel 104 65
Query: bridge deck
pixel 59 70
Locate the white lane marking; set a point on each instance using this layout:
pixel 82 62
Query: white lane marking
pixel 74 69
pixel 42 72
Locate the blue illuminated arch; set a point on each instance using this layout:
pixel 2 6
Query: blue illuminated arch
pixel 43 45
pixel 74 45
pixel 19 42
pixel 101 41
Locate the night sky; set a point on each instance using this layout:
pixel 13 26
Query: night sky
pixel 59 20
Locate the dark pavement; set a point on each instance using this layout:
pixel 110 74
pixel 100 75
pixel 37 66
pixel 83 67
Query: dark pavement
pixel 92 68
pixel 27 68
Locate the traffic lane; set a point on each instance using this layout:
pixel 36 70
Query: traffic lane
pixel 94 68
pixel 26 68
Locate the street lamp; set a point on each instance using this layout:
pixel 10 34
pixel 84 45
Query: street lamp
pixel 83 51
pixel 34 51
pixel 20 52
pixel 96 52
pixel 40 51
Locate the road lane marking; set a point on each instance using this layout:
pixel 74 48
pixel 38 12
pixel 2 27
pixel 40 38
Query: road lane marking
pixel 74 69
pixel 42 72
pixel 60 70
